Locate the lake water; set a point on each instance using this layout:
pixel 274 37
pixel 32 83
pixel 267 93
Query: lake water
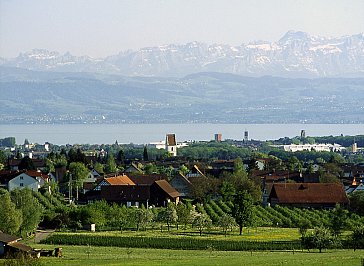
pixel 146 133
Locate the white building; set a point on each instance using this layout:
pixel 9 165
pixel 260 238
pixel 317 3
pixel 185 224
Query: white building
pixel 311 147
pixel 24 181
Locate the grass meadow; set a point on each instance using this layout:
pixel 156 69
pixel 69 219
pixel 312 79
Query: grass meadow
pixel 89 255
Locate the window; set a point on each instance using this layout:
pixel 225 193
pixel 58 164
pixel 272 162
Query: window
pixel 21 184
pixel 21 177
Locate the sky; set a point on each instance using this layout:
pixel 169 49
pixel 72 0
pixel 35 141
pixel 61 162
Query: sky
pixel 99 28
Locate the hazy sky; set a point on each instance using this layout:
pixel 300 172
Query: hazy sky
pixel 103 27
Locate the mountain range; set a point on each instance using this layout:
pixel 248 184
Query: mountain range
pixel 296 55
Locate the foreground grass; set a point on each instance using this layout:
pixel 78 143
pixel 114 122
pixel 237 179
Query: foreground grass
pixel 84 255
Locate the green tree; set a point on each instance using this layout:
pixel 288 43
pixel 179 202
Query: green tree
pixel 183 169
pixel 26 163
pixel 30 207
pixel 226 221
pixel 139 217
pixel 10 217
pixel 243 209
pixel 321 238
pixel 338 220
pixel 151 168
pixel 96 213
pixel 357 202
pixel 79 173
pixel 294 164
pixel 110 166
pixel 3 158
pixel 120 157
pixel 99 168
pixel 201 221
pixel 183 214
pixel 117 216
pixel 357 237
pixel 303 226
pixel 168 215
pixel 145 153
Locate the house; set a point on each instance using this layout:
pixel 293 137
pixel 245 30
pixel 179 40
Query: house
pixel 6 176
pixel 115 181
pixel 313 195
pixel 133 168
pixel 171 144
pixel 9 246
pixel 195 172
pixel 356 186
pixel 23 180
pixel 158 194
pixel 39 164
pixel 182 184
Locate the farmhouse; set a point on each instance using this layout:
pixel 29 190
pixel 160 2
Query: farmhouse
pixel 182 184
pixel 158 194
pixel 9 246
pixel 314 195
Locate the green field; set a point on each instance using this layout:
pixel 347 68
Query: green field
pixel 256 234
pixel 84 255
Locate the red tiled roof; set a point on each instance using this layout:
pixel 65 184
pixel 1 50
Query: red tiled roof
pixel 146 179
pixel 35 173
pixel 119 180
pixel 309 193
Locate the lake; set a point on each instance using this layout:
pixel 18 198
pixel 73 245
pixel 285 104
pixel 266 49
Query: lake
pixel 146 133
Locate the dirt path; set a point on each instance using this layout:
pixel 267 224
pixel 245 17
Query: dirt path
pixel 42 234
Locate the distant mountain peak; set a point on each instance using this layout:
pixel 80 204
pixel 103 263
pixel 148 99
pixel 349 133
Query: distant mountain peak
pixel 296 54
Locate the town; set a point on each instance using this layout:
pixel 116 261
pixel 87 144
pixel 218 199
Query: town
pixel 204 187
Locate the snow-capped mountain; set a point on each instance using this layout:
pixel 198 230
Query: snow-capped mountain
pixel 296 54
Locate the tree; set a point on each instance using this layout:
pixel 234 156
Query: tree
pixel 99 168
pixel 183 169
pixel 201 221
pixel 227 190
pixel 303 226
pixel 3 158
pixel 357 202
pixel 321 238
pixel 96 213
pixel 140 217
pixel 226 221
pixel 183 214
pixel 26 163
pixel 145 153
pixel 79 173
pixel 243 209
pixel 202 186
pixel 357 237
pixel 168 215
pixel 151 168
pixel 110 166
pixel 10 216
pixel 120 158
pixel 294 164
pixel 30 207
pixel 338 220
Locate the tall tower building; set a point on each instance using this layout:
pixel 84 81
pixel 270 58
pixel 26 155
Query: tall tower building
pixel 303 134
pixel 171 144
pixel 218 137
pixel 246 136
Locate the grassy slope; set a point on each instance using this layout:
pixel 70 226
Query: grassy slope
pixel 83 255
